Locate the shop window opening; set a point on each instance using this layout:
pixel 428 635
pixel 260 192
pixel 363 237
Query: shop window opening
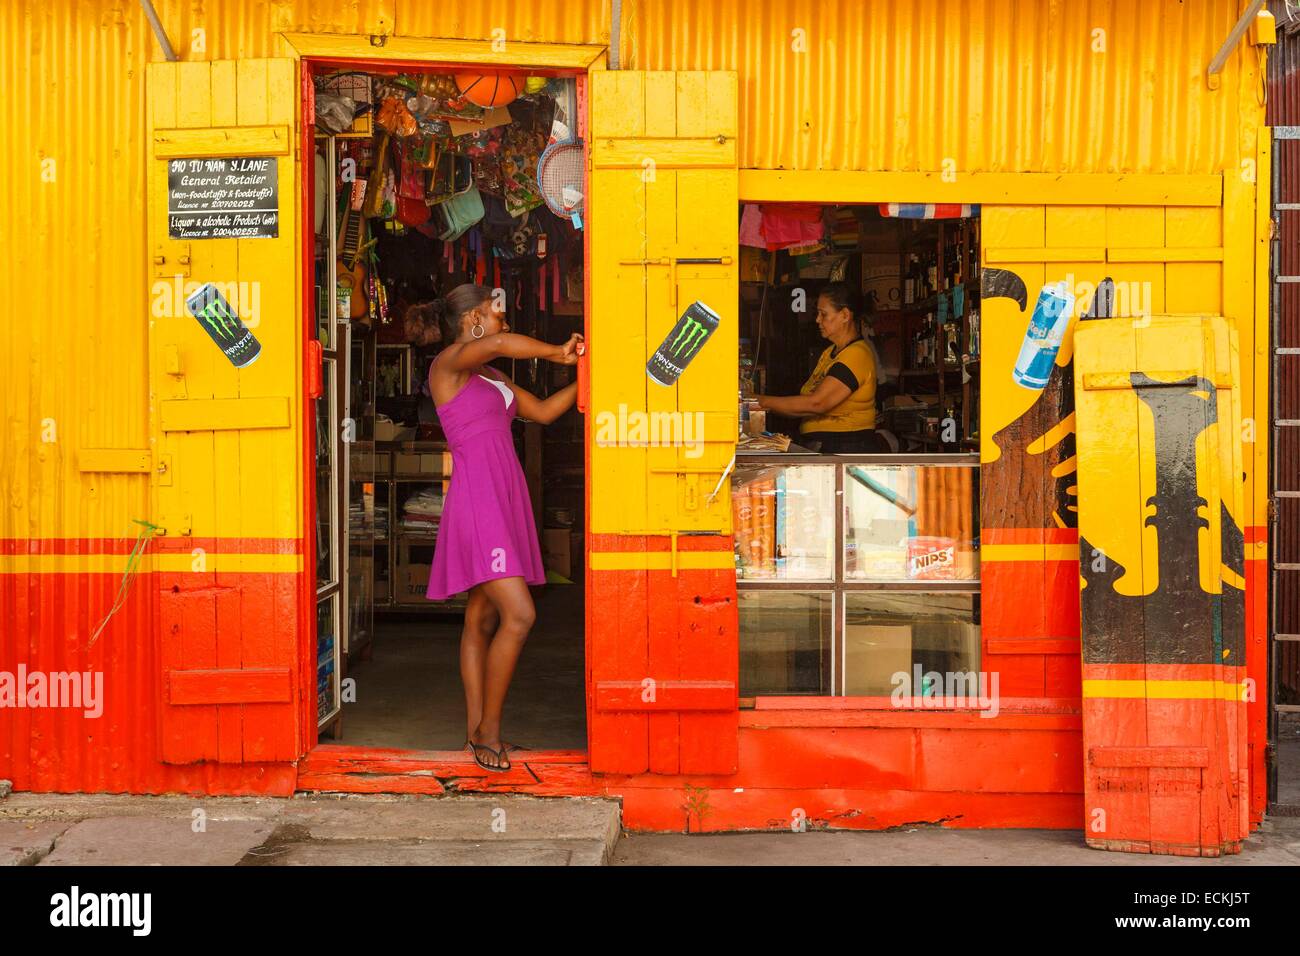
pixel 417 188
pixel 857 525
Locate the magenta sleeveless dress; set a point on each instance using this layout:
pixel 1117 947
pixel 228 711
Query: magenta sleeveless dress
pixel 487 529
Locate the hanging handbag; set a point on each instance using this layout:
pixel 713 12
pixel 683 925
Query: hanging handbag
pixel 460 213
pixel 411 208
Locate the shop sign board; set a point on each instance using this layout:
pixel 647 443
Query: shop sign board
pixel 223 198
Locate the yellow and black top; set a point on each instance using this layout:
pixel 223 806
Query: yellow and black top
pixel 855 366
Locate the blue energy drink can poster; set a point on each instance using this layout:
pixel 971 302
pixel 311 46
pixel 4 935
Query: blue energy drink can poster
pixel 682 344
pixel 223 325
pixel 1047 327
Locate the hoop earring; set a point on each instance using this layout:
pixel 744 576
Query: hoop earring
pixel 476 330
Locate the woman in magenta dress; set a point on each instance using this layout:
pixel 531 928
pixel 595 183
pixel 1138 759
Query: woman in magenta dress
pixel 487 540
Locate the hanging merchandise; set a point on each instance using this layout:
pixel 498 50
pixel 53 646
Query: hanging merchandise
pixel 751 226
pixel 344 102
pixel 440 86
pixel 792 224
pixel 460 213
pixel 411 207
pixel 560 179
pixel 521 148
pixel 373 207
pixel 334 113
pixel 388 193
pixel 522 238
pixel 490 89
pixel 396 118
pixel 498 224
pixel 484 151
pixel 423 109
pixel 425 152
pixel 913 210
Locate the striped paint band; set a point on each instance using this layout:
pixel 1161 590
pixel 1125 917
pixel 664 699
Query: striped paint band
pixel 1163 689
pixel 1029 552
pixel 174 563
pixel 661 561
pixel 1255 551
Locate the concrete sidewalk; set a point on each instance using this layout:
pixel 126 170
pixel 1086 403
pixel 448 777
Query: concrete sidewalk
pixel 371 830
pixel 494 830
pixel 1276 843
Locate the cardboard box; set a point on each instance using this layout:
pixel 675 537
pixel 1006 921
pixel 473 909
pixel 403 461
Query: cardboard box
pixel 880 275
pixel 873 654
pixel 405 463
pixel 414 582
pixel 436 464
pixel 390 431
pixel 557 551
pixel 753 264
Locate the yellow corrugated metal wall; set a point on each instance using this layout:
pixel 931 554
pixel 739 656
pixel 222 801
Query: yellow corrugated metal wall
pixel 903 84
pixel 999 85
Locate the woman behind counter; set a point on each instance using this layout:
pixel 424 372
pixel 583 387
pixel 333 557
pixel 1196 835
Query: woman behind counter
pixel 838 402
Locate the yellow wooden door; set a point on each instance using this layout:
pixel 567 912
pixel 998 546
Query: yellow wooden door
pixel 226 431
pixel 663 214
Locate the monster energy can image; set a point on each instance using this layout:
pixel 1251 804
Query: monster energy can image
pixel 223 325
pixel 682 344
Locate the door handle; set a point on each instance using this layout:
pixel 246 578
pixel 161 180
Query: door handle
pixel 584 379
pixel 315 359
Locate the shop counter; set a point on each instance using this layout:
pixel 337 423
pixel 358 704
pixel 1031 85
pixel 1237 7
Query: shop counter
pixel 855 569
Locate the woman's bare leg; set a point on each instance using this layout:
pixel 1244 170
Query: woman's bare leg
pixel 481 621
pixel 514 607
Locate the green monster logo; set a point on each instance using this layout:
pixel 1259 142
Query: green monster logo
pixel 219 318
pixel 690 338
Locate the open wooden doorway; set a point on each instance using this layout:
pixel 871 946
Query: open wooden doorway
pixel 386 659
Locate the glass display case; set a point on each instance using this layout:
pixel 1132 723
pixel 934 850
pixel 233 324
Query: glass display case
pixel 855 569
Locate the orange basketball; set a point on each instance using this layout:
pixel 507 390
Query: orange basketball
pixel 490 89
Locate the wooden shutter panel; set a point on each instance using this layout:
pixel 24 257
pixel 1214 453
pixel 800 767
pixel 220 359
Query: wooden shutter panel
pixel 663 214
pixel 227 438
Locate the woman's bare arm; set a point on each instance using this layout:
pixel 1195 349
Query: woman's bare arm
pixel 509 345
pixel 544 410
pixel 828 394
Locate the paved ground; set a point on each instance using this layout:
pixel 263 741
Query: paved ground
pixel 1277 843
pixel 409 695
pixel 72 830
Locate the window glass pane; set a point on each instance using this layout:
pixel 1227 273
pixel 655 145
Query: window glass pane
pixel 326 657
pixel 361 543
pixel 888 636
pixel 785 642
pixel 784 522
pixel 325 467
pixel 910 523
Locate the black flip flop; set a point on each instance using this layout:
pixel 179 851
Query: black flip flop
pixel 510 748
pixel 500 755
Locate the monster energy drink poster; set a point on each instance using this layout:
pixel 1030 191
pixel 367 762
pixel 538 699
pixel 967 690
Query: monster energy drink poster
pixel 237 198
pixel 223 325
pixel 683 343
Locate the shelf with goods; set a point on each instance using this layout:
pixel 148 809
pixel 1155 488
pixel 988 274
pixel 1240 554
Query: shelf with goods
pixel 410 483
pixel 939 314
